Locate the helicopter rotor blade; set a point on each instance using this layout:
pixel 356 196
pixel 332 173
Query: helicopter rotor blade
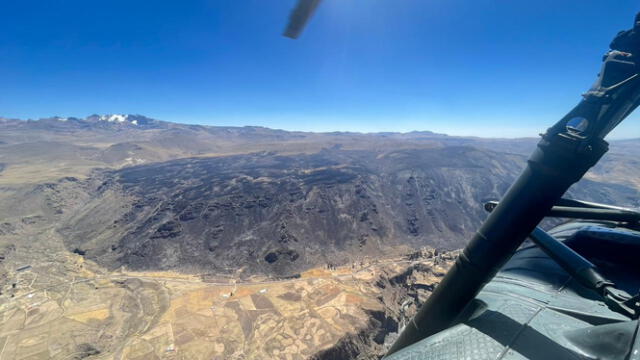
pixel 300 17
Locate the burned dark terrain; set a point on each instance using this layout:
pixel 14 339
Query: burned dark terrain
pixel 279 215
pixel 282 214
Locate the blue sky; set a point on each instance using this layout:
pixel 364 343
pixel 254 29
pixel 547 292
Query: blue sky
pixel 474 67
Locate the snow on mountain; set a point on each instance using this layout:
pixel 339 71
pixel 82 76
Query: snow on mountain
pixel 119 118
pixel 123 119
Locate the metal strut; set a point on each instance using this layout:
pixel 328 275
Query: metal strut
pixel 586 274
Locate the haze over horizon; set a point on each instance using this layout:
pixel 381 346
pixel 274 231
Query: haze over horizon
pixel 359 66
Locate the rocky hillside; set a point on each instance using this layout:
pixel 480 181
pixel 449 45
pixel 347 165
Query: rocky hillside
pixel 281 214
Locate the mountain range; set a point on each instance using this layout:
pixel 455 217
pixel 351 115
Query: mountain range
pixel 168 196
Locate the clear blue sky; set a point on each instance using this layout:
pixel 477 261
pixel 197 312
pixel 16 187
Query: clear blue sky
pixel 473 67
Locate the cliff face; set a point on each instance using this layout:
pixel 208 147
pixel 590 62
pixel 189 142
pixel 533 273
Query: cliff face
pixel 402 294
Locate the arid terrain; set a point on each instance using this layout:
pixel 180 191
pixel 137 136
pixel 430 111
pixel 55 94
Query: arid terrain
pixel 124 237
pixel 82 312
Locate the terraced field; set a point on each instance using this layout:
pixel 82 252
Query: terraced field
pixel 163 315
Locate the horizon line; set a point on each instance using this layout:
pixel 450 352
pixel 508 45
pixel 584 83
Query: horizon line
pixel 360 132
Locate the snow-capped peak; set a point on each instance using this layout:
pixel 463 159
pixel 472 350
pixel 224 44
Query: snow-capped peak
pixel 116 118
pixel 123 119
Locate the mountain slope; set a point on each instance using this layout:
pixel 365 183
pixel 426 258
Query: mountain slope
pixel 276 214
